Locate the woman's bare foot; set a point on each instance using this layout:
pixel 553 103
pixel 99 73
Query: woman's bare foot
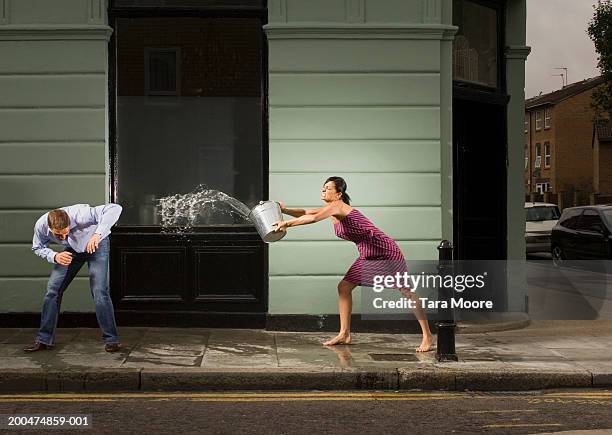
pixel 425 344
pixel 339 339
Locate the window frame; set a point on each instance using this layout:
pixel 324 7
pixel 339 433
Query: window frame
pixel 547 118
pixel 547 154
pixel 147 77
pixel 115 13
pixel 538 120
pixel 538 155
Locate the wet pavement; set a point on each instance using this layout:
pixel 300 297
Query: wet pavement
pixel 574 353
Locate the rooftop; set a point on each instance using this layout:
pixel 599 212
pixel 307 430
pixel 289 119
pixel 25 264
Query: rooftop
pixel 564 93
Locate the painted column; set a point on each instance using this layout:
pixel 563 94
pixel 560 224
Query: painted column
pixel 516 53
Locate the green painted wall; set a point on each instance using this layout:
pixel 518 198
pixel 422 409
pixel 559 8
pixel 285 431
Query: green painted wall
pixel 53 133
pixel 356 90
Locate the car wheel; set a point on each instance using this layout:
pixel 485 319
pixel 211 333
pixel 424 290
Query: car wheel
pixel 558 256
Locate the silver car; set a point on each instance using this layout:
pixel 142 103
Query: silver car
pixel 540 218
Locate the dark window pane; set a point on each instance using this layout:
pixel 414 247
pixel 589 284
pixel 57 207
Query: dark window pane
pixel 189 119
pixel 162 70
pixel 588 220
pixel 570 219
pixel 475 57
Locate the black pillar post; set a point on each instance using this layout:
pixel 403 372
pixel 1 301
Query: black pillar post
pixel 445 350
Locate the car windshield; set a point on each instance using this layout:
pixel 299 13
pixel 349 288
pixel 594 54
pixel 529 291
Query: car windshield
pixel 542 213
pixel 608 215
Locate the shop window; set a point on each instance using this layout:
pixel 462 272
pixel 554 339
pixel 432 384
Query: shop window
pixel 189 119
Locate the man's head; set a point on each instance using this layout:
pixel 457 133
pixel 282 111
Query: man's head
pixel 59 223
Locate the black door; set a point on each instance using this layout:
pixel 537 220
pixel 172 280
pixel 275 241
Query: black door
pixel 479 146
pixel 479 180
pixel 189 159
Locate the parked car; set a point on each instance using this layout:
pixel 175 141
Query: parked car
pixel 583 233
pixel 540 218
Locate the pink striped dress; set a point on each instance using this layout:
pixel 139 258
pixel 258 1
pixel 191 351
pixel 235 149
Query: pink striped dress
pixel 378 253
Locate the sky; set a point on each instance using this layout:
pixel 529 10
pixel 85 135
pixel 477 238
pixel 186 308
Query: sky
pixel 556 33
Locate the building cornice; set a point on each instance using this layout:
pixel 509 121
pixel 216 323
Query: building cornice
pixel 28 32
pixel 517 52
pixel 304 30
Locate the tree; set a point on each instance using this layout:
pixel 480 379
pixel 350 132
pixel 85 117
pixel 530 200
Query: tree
pixel 600 32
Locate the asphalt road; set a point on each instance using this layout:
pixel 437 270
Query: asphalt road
pixel 336 412
pixel 581 290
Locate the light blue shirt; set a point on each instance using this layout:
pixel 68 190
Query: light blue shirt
pixel 85 221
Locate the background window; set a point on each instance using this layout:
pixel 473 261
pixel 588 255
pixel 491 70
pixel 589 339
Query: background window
pixel 526 123
pixel 538 159
pixel 538 120
pixel 526 156
pixel 162 73
pixel 547 154
pixel 547 117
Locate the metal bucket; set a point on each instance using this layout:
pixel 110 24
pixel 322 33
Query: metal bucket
pixel 263 216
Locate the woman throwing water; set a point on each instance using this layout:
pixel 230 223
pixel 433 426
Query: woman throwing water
pixel 376 250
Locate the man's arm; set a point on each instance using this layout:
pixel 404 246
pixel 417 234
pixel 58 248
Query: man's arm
pixel 106 216
pixel 40 243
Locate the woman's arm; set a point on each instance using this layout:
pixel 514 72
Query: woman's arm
pixel 297 212
pixel 316 216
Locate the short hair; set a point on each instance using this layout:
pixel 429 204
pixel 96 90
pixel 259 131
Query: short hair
pixel 58 219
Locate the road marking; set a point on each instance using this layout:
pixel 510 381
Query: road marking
pixel 546 398
pixel 499 426
pixel 231 395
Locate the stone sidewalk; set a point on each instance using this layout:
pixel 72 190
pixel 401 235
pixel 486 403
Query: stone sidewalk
pixel 551 354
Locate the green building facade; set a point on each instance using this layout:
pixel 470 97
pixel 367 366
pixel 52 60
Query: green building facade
pixel 357 88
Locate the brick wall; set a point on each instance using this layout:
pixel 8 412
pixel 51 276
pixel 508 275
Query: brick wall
pixel 219 57
pixel 574 153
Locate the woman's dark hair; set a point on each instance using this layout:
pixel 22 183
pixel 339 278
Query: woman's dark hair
pixel 340 187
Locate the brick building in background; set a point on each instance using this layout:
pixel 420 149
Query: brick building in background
pixel 559 145
pixel 602 153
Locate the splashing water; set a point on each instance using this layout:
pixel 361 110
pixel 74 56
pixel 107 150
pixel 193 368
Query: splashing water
pixel 202 206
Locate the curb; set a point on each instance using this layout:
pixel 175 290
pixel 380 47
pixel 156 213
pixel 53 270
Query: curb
pixel 413 378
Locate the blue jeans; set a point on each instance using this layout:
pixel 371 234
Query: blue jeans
pixel 59 280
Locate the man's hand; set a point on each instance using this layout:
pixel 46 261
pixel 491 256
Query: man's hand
pixel 93 243
pixel 63 258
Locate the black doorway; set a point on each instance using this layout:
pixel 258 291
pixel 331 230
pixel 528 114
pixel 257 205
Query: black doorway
pixel 479 174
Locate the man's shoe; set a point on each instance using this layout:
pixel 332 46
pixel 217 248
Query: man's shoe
pixel 36 347
pixel 112 347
